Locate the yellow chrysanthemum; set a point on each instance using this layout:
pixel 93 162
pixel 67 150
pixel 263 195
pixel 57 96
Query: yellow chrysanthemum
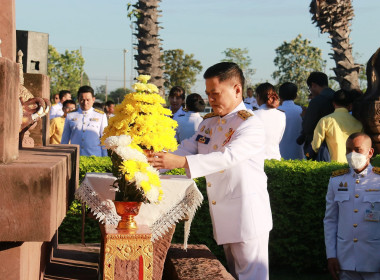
pixel 143 78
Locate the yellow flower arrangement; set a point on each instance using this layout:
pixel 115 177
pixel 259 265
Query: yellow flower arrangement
pixel 140 123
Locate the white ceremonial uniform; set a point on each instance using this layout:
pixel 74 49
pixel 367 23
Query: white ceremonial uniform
pixel 56 110
pixel 289 148
pixel 187 125
pixel 229 152
pixel 85 128
pixel 274 124
pixel 352 221
pixel 250 103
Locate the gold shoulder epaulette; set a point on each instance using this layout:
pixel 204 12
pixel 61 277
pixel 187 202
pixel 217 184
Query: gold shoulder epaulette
pixel 185 110
pixel 210 115
pixel 244 114
pixel 340 172
pixel 98 111
pixel 73 111
pixel 376 170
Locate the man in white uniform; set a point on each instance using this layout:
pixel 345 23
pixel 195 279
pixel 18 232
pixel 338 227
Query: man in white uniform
pixel 56 109
pixel 352 219
pixel 250 102
pixel 85 126
pixel 228 149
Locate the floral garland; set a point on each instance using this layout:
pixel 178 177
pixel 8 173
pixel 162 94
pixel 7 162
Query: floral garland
pixel 140 123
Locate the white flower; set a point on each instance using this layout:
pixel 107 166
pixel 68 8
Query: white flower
pixel 153 194
pixel 114 141
pixel 139 177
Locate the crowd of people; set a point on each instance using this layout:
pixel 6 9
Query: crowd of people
pixel 229 146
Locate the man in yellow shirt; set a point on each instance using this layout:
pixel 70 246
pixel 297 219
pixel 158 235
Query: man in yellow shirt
pixel 336 127
pixel 57 124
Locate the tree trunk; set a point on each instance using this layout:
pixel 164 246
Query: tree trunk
pixel 148 46
pixel 334 16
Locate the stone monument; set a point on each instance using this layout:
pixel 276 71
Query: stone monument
pixel 367 107
pixel 36 184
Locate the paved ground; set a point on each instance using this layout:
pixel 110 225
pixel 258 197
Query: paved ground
pixel 74 262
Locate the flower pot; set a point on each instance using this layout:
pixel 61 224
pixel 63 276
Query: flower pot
pixel 127 210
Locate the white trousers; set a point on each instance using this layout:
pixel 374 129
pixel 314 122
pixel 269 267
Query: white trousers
pixel 354 275
pixel 248 260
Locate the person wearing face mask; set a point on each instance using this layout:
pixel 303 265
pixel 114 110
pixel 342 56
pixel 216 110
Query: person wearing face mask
pixel 352 218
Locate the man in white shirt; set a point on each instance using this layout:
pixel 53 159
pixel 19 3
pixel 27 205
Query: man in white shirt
pixel 250 101
pixel 56 109
pixel 228 149
pixel 289 148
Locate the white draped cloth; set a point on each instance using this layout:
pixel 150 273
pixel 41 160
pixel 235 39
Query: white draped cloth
pixel 181 199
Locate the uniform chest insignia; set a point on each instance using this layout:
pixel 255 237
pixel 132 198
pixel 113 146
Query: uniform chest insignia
pixel 244 114
pixel 210 115
pixel 202 139
pixel 340 172
pixel 342 189
pixel 74 119
pixel 345 184
pixel 341 184
pixel 228 135
pixel 99 111
pixel 207 131
pixel 376 170
pixel 202 128
pixel 94 119
pixel 372 190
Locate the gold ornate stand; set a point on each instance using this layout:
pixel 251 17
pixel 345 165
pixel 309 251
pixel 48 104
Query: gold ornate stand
pixel 128 245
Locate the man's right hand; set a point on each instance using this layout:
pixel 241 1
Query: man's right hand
pixel 333 267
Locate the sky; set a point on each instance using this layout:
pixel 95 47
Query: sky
pixel 204 28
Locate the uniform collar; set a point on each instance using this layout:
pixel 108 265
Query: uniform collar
pixel 85 112
pixel 363 173
pixel 238 108
pixel 265 107
pixel 341 110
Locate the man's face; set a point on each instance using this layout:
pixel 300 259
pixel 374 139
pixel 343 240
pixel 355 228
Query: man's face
pixel 314 90
pixel 68 109
pixel 360 145
pixel 56 98
pixel 249 93
pixel 111 109
pixel 175 102
pixel 66 97
pixel 86 101
pixel 223 96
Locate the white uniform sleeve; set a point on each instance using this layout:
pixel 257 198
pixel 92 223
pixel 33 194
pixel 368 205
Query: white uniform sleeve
pixel 66 132
pixel 247 141
pixel 331 222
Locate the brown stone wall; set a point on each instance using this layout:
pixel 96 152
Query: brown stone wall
pixel 9 109
pixel 39 86
pixel 20 260
pixel 8 29
pixel 35 192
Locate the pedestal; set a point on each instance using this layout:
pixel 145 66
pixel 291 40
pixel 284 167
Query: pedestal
pixel 130 246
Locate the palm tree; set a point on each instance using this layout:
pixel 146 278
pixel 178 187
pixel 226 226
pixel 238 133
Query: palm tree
pixel 148 46
pixel 334 16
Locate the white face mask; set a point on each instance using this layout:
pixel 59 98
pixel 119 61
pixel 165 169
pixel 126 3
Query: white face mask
pixel 356 160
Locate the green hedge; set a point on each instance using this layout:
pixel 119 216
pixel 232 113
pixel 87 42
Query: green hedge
pixel 297 192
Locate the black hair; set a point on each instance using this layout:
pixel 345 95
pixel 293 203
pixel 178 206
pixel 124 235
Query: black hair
pixel 98 105
pixel 177 90
pixel 62 93
pixel 68 101
pixel 109 103
pixel 318 78
pixel 342 98
pixel 225 71
pixel 84 89
pixel 267 93
pixel 195 103
pixel 288 91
